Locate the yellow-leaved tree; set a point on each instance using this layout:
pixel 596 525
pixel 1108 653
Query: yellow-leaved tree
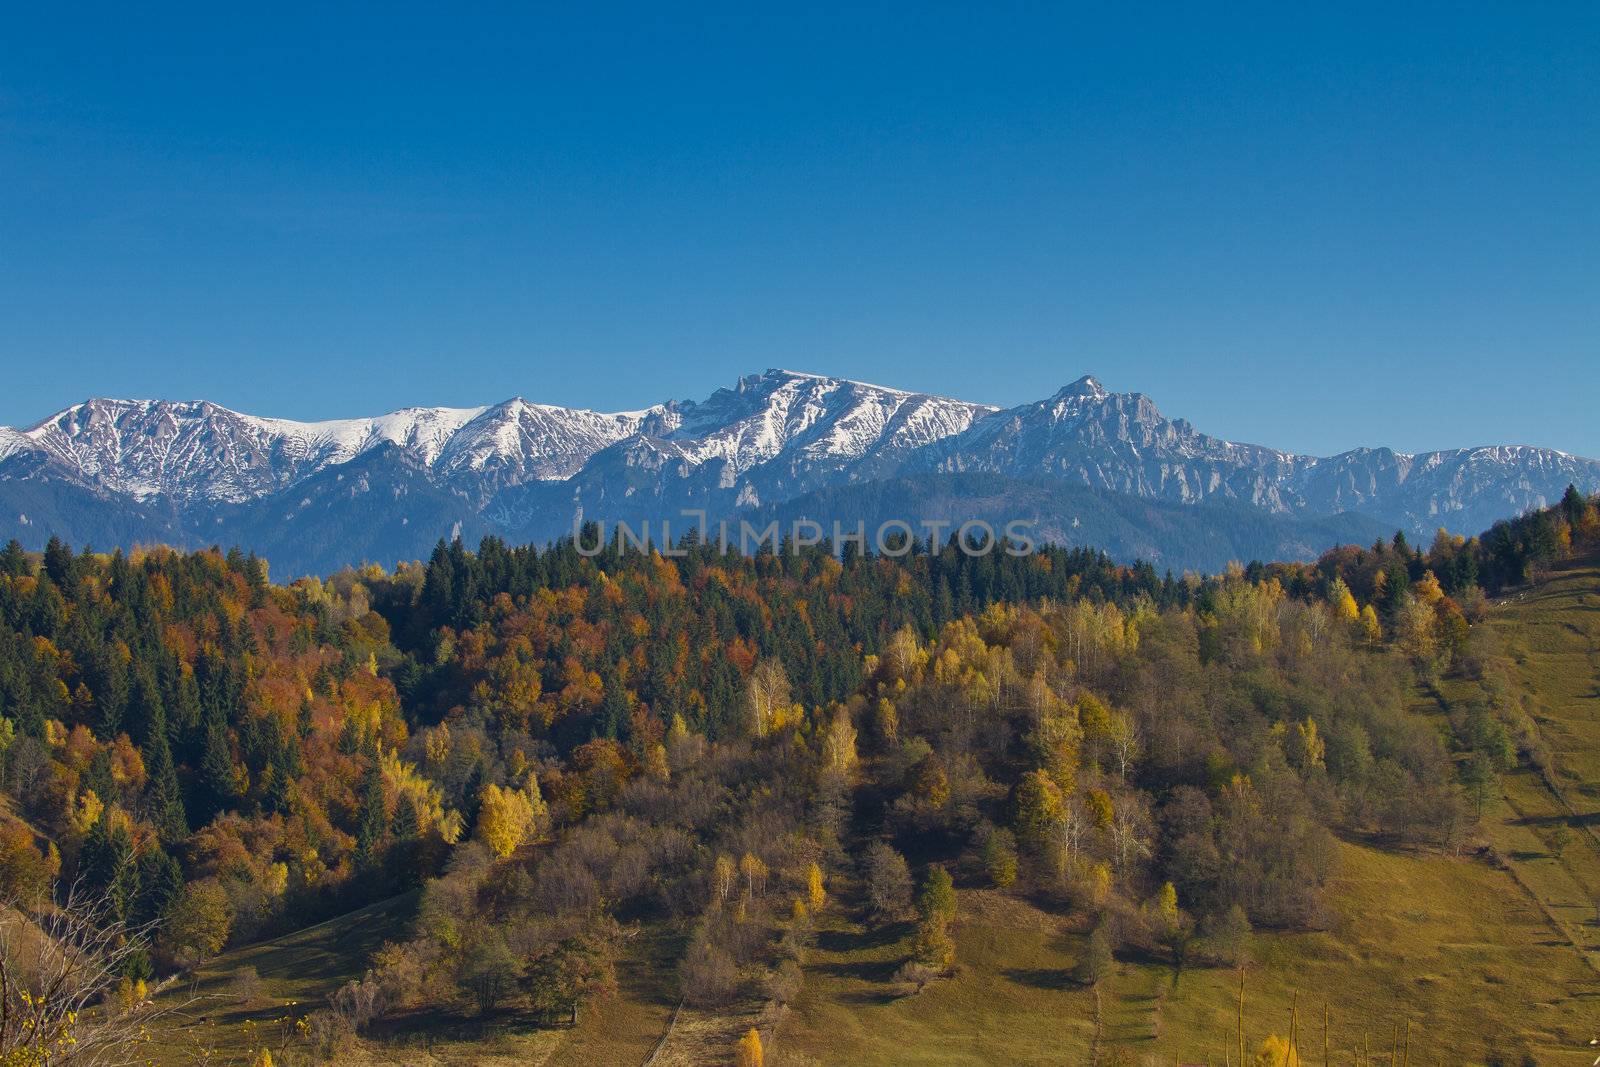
pixel 815 893
pixel 839 745
pixel 1343 601
pixel 1371 629
pixel 508 817
pixel 747 1052
pixel 724 876
pixel 767 697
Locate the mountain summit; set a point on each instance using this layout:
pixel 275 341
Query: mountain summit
pixel 113 471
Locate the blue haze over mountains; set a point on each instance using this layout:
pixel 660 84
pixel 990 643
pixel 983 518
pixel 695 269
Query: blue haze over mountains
pixel 1087 465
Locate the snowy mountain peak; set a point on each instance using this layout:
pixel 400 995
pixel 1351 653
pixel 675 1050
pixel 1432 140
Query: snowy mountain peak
pixel 517 440
pixel 1087 387
pixel 823 419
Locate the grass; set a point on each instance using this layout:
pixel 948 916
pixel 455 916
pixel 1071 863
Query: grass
pixel 1550 634
pixel 1445 943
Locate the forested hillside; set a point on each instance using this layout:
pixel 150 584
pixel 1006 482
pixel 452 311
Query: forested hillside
pixel 566 755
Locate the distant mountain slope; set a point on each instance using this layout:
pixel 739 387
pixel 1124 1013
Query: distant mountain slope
pixel 113 471
pixel 1121 441
pixel 1204 537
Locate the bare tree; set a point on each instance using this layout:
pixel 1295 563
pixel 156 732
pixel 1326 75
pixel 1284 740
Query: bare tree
pixel 64 993
pixel 1130 834
pixel 766 695
pixel 1073 825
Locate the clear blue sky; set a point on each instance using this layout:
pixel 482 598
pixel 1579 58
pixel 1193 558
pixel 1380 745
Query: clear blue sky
pixel 1314 231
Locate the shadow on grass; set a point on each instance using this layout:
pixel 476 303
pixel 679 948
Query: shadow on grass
pixel 862 938
pixel 877 970
pixel 443 1026
pixel 1059 979
pixel 876 997
pixel 1590 818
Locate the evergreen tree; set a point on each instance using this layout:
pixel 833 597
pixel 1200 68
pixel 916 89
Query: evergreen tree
pixel 14 561
pixel 1573 505
pixel 216 787
pixel 106 865
pixel 59 564
pixel 374 818
pixel 405 847
pixel 160 886
pixel 165 797
pixel 277 799
pixel 147 709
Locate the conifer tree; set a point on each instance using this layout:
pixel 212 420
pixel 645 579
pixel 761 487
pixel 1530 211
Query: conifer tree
pixel 14 561
pixel 216 786
pixel 166 798
pixel 374 818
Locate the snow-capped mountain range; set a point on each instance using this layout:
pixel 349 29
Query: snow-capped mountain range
pixel 383 488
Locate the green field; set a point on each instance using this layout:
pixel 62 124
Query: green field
pixel 1550 636
pixel 1448 944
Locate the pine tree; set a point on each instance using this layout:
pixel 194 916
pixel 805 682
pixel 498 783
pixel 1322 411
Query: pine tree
pixel 106 865
pixel 404 850
pixel 277 797
pixel 185 716
pixel 216 786
pixel 14 561
pixel 374 818
pixel 165 796
pixel 160 886
pixel 59 565
pixel 1573 504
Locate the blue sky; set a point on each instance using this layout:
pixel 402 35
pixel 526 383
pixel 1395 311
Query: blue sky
pixel 1359 226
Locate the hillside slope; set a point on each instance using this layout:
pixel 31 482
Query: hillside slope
pixel 1448 944
pixel 1538 664
pixel 1492 957
pixel 1486 954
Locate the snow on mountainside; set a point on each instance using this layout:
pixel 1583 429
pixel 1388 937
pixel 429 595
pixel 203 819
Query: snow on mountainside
pixel 199 450
pixel 769 437
pixel 1121 442
pixel 815 422
pixel 166 470
pixel 515 441
pixel 835 417
pixel 11 441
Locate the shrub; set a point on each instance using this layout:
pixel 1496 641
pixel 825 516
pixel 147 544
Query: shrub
pixel 1000 859
pixel 246 984
pixel 707 976
pixel 888 881
pixel 1096 963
